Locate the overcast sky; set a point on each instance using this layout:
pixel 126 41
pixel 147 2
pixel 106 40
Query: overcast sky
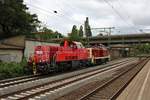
pixel 127 16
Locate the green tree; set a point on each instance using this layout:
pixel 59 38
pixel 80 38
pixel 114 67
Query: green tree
pixel 59 35
pixel 74 36
pixel 46 33
pixel 46 30
pixel 88 32
pixel 15 19
pixel 143 48
pixel 81 31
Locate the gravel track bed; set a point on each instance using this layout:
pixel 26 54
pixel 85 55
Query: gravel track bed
pixel 106 92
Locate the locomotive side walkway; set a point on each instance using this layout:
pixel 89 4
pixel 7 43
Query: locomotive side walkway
pixel 139 88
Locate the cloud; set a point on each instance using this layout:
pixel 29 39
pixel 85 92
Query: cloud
pixel 126 15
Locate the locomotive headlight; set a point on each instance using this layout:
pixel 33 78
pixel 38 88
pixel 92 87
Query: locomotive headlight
pixel 39 52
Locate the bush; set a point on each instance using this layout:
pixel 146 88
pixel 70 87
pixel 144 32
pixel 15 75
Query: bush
pixel 10 70
pixel 143 49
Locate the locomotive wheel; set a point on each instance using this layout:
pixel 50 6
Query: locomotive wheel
pixel 28 69
pixel 75 64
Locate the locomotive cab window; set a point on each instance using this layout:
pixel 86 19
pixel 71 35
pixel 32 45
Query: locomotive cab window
pixel 79 45
pixel 73 46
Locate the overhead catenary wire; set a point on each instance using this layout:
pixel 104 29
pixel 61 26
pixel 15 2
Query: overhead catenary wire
pixel 116 11
pixel 121 6
pixel 69 18
pixel 58 14
pixel 127 14
pixel 57 21
pixel 43 12
pixel 124 20
pixel 69 6
pixel 62 18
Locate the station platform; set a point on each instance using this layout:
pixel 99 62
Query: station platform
pixel 139 88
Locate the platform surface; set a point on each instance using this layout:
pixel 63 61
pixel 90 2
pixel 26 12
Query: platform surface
pixel 139 88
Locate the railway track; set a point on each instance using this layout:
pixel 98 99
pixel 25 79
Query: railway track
pixel 18 80
pixel 13 81
pixel 23 79
pixel 50 87
pixel 107 89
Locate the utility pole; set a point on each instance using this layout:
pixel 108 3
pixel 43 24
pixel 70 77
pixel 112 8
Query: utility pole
pixel 107 30
pixel 109 36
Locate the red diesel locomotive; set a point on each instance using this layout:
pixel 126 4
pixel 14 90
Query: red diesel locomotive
pixel 66 56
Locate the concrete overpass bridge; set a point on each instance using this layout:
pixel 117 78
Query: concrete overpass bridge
pixel 120 39
pixel 127 39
